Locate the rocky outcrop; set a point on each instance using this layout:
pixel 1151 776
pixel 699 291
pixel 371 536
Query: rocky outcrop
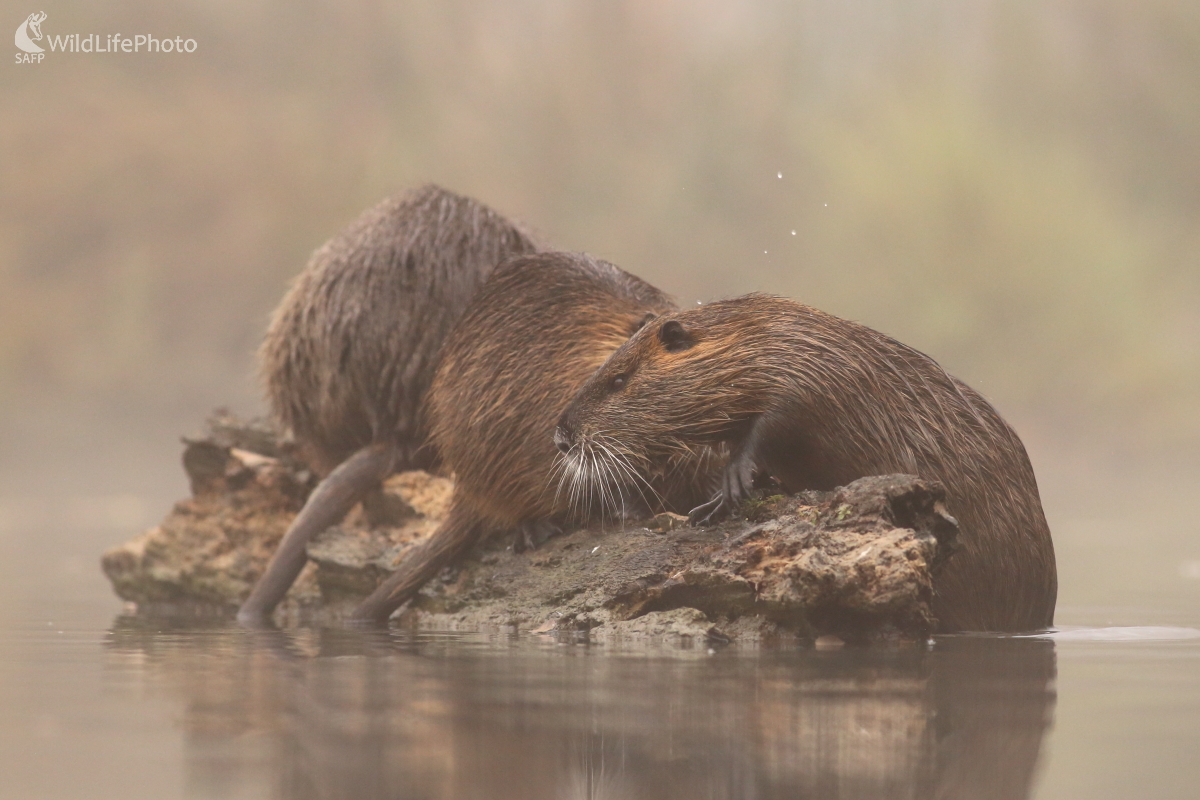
pixel 857 562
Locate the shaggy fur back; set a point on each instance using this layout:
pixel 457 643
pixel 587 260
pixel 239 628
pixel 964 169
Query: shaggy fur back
pixel 351 349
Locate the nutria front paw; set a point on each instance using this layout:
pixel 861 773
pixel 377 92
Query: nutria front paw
pixel 738 483
pixel 532 535
pixel 711 512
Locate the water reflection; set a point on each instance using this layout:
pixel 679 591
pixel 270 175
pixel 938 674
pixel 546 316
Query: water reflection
pixel 347 714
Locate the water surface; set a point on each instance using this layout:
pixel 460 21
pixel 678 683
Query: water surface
pixel 98 704
pixel 201 709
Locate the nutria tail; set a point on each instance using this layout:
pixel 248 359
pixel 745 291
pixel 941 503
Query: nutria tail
pixel 329 502
pixel 460 531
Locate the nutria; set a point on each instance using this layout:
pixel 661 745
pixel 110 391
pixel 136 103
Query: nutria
pixel 816 402
pixel 352 347
pixel 534 333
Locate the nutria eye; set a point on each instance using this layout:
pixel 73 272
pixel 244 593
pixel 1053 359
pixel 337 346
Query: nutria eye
pixel 618 383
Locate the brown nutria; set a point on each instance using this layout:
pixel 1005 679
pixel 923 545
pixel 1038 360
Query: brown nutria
pixel 818 401
pixel 352 347
pixel 531 337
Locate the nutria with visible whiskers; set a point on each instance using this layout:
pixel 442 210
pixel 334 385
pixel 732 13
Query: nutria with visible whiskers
pixel 352 347
pixel 817 401
pixel 531 337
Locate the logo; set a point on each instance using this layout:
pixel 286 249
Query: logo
pixel 30 31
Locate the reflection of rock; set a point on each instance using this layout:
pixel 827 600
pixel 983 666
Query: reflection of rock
pixel 342 713
pixel 856 562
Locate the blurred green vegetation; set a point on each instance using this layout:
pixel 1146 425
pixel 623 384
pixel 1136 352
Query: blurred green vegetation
pixel 1013 188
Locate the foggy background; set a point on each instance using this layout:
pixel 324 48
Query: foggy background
pixel 1013 188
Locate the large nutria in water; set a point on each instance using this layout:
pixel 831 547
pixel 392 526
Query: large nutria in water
pixel 818 401
pixel 352 348
pixel 531 337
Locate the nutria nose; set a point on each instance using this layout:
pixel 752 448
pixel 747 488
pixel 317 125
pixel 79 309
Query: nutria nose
pixel 562 439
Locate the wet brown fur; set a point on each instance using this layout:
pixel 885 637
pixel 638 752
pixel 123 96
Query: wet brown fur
pixel 540 326
pixel 819 401
pixel 353 345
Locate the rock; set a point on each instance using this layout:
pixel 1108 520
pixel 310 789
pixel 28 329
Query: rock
pixel 678 623
pixel 832 563
pixel 666 521
pixel 855 563
pixel 212 547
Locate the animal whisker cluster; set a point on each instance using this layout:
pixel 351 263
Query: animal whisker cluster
pixel 598 476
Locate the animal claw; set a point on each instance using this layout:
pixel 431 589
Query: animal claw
pixel 710 512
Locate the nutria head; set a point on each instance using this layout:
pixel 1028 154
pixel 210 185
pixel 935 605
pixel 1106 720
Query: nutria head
pixel 685 382
pixel 537 329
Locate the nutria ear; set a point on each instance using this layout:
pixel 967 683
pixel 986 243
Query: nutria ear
pixel 644 321
pixel 674 336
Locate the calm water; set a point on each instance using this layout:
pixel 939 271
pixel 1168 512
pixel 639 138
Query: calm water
pixel 142 708
pixel 98 705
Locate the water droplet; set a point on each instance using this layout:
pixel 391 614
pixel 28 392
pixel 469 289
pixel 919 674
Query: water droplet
pixel 779 175
pixel 793 233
